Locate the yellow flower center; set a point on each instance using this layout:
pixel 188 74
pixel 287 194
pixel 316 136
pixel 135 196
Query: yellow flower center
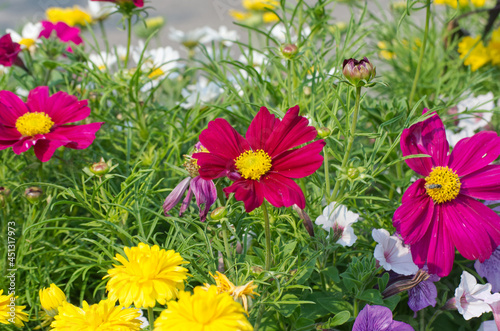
pixel 442 184
pixel 253 164
pixel 31 124
pixel 28 42
pixel 155 73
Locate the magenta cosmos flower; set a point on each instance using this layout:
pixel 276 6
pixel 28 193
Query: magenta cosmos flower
pixel 137 3
pixel 62 31
pixel 39 122
pixel 9 51
pixel 263 164
pixel 440 212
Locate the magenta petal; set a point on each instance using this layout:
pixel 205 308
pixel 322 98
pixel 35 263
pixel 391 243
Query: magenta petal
pixel 261 128
pixel 4 144
pixel 11 108
pixel 176 195
pixel 213 166
pixel 23 145
pixel 441 252
pixel 248 191
pixel 299 162
pixel 281 191
pixel 413 218
pixel 476 221
pixel 291 132
pixel 44 148
pixel 420 249
pixel 67 33
pixel 79 136
pixel 415 189
pixel 221 139
pixel 205 193
pixel 186 201
pixel 474 153
pixel 7 133
pixel 482 184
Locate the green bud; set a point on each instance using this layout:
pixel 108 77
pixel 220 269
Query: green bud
pixel 324 132
pixel 100 168
pixel 289 51
pixel 33 194
pixel 218 213
pixel 257 270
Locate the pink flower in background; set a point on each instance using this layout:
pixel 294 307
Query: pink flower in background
pixel 263 164
pixel 63 31
pixel 440 212
pixel 137 3
pixel 8 51
pixel 39 122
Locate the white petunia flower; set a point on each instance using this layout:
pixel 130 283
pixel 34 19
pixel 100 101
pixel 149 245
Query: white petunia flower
pixel 102 61
pixel 99 11
pixel 470 297
pixel 339 220
pixel 392 254
pixel 28 37
pixel 203 92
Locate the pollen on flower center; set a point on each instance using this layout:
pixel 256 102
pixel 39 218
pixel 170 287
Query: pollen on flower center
pixel 31 124
pixel 156 73
pixel 28 42
pixel 442 184
pixel 253 164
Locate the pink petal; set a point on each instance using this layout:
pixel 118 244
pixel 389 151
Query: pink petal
pixel 7 133
pixel 24 144
pixel 441 252
pixel 299 162
pixel 281 191
pixel 176 195
pixel 221 139
pixel 79 136
pixel 291 132
pixel 413 218
pixel 415 189
pixel 61 107
pixel 205 193
pixel 248 191
pixel 11 108
pixel 213 166
pixel 482 184
pixel 4 144
pixel 44 148
pixel 483 224
pixel 474 153
pixel 261 128
pixel 67 33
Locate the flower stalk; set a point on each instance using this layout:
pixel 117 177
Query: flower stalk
pixel 151 318
pixel 267 229
pixel 129 38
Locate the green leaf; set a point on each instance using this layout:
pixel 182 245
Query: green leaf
pixel 339 318
pixel 371 296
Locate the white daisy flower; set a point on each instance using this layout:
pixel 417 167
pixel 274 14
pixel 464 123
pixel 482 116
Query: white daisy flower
pixel 225 36
pixel 28 37
pixel 99 11
pixel 339 219
pixel 203 92
pixel 192 38
pixel 392 254
pixel 102 61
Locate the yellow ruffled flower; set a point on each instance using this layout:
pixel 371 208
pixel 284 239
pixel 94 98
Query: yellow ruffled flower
pixel 239 15
pixel 474 52
pixel 239 293
pixel 270 17
pixel 10 313
pixel 104 316
pixel 70 16
pixel 260 4
pixel 148 275
pixel 51 298
pixel 494 47
pixel 205 310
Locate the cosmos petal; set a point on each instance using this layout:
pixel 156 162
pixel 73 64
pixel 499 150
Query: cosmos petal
pixel 281 191
pixel 248 191
pixel 300 162
pixel 222 140
pixel 261 128
pixel 482 184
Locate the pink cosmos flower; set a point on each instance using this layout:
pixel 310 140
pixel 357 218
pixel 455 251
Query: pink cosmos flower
pixel 64 33
pixel 39 122
pixel 263 164
pixel 440 212
pixel 137 3
pixel 8 51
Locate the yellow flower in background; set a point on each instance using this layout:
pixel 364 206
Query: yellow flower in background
pixel 70 16
pixel 478 3
pixel 205 310
pixel 148 275
pixel 461 3
pixel 494 47
pixel 260 4
pixel 384 52
pixel 104 316
pixel 239 293
pixel 270 17
pixel 473 52
pixel 239 15
pixel 51 298
pixel 7 316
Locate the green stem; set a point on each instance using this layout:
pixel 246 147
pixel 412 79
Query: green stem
pixel 356 307
pixel 226 241
pixel 151 318
pixel 349 141
pixel 422 52
pixel 290 87
pixel 422 320
pixel 129 37
pixel 327 174
pixel 104 35
pixel 267 229
pixel 433 318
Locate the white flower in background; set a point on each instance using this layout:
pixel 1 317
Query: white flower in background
pixel 453 138
pixel 192 38
pixel 102 61
pixel 99 11
pixel 278 31
pixel 143 319
pixel 254 59
pixel 203 92
pixel 28 37
pixel 225 36
pixel 339 220
pixel 392 254
pixel 470 297
pixel 3 70
pixel 121 53
pixel 473 121
pixel 157 62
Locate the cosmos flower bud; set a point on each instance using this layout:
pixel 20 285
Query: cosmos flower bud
pixel 218 213
pixel 51 298
pixel 289 51
pixel 358 72
pixel 33 194
pixel 100 168
pixel 323 132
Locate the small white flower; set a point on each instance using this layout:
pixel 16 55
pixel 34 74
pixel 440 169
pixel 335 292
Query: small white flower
pixel 278 31
pixel 102 61
pixel 3 70
pixel 157 63
pixel 143 319
pixel 225 36
pixel 470 297
pixel 339 220
pixel 28 37
pixel 392 254
pixel 202 92
pixel 191 38
pixel 453 138
pixel 99 11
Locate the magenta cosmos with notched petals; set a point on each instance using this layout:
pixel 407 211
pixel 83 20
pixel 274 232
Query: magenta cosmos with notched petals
pixel 263 164
pixel 440 212
pixel 39 122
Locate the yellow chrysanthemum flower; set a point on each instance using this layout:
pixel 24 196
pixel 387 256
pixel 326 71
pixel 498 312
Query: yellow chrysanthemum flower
pixel 104 316
pixel 70 16
pixel 239 15
pixel 51 298
pixel 260 4
pixel 474 52
pixel 239 293
pixel 494 47
pixel 203 311
pixel 9 312
pixel 270 17
pixel 384 53
pixel 149 275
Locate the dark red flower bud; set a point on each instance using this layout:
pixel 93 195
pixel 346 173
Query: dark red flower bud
pixel 356 71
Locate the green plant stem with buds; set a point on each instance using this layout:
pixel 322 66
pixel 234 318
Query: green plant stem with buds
pixel 422 52
pixel 349 141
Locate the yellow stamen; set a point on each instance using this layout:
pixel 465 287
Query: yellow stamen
pixel 253 164
pixel 28 42
pixel 156 73
pixel 31 124
pixel 442 184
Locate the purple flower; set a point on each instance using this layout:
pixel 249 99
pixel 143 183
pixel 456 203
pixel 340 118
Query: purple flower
pixel 424 294
pixel 378 318
pixel 490 269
